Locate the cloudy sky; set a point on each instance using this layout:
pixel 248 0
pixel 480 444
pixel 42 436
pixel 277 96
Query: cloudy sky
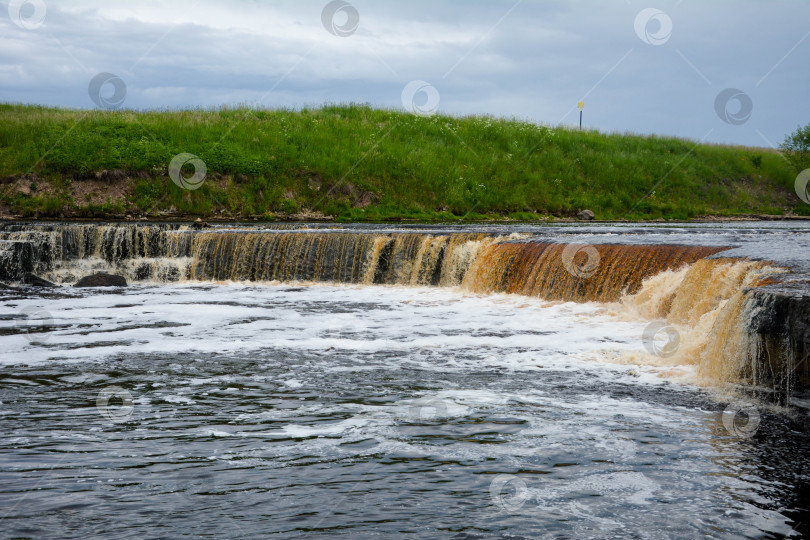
pixel 642 67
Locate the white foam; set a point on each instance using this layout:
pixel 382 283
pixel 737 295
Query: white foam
pixel 178 399
pixel 331 429
pixel 427 328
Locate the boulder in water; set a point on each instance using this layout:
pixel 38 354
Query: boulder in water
pixel 36 281
pixel 102 280
pixel 585 215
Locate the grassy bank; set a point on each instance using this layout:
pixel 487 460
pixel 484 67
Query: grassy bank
pixel 363 164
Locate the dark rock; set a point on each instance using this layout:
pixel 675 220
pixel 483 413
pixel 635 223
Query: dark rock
pixel 200 224
pixel 102 280
pixel 36 281
pixel 585 215
pixel 781 320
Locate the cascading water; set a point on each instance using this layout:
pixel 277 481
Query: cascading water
pixel 708 300
pixel 402 259
pixel 64 253
pixel 712 305
pixel 480 262
pixel 590 273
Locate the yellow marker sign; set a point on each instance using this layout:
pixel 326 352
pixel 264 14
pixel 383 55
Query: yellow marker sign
pixel 581 105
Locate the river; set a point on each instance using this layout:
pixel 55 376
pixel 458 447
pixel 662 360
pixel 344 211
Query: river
pixel 303 409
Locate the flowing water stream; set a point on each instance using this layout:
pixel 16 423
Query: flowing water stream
pixel 373 381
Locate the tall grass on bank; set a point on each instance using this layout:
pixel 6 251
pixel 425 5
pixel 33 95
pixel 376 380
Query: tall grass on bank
pixel 359 163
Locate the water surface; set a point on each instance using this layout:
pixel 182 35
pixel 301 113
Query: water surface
pixel 315 411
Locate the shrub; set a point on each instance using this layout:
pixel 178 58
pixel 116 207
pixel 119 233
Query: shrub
pixel 796 148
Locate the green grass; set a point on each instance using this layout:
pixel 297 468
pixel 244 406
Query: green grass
pixel 356 163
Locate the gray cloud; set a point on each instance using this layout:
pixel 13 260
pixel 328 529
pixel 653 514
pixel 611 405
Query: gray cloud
pixel 534 62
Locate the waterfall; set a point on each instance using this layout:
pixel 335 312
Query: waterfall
pixel 553 271
pixel 368 258
pixel 733 326
pixel 714 306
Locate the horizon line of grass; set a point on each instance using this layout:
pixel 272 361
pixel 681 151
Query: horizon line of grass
pixel 246 106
